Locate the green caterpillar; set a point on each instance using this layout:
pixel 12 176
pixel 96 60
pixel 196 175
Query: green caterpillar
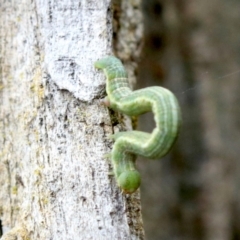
pixel 129 144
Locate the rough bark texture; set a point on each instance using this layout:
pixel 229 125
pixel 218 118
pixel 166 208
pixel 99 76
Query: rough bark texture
pixel 53 174
pixel 192 47
pixel 128 34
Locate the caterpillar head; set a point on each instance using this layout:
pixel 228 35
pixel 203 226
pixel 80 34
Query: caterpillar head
pixel 112 67
pixel 129 181
pixel 105 62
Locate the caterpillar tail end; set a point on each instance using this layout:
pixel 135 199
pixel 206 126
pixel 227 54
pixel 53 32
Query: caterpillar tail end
pixel 129 181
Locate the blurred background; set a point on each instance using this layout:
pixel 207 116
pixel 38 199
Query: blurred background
pixel 193 49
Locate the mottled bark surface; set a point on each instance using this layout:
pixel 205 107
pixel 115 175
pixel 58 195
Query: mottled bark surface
pixel 192 47
pixel 54 181
pixel 128 34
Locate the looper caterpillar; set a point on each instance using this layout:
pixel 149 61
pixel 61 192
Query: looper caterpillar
pixel 129 144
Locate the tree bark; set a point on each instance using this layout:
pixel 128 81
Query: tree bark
pixel 54 131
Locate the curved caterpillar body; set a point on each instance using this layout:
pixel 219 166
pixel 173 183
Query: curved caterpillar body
pixel 127 145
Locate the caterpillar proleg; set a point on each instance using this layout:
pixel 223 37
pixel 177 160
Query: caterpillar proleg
pixel 129 144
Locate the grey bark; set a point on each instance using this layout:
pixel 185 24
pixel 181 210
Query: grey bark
pixel 54 131
pixel 128 34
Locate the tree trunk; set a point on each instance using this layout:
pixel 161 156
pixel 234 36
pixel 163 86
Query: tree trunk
pixel 54 131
